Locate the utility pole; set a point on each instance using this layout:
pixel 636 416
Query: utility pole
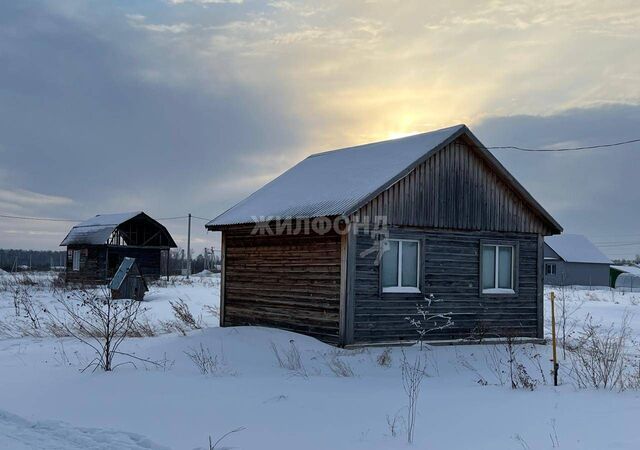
pixel 189 248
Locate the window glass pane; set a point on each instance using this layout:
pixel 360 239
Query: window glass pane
pixel 410 264
pixel 389 263
pixel 504 267
pixel 488 267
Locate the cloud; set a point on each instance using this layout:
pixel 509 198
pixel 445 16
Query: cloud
pixel 186 106
pixel 24 198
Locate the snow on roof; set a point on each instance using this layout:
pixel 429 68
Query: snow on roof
pixel 576 248
pixel 335 182
pixel 633 270
pixel 96 231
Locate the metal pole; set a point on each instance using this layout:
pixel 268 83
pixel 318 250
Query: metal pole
pixel 553 338
pixel 189 248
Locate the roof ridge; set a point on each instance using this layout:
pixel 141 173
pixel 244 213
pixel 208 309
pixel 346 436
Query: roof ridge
pixel 386 141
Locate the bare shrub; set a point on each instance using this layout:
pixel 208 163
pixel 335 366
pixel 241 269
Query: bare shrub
pixel 413 372
pixel 206 363
pixel 520 378
pixel 395 424
pixel 425 321
pixel 183 314
pixel 212 310
pixel 339 367
pixel 21 287
pixel 290 358
pixel 384 359
pixel 98 321
pixel 598 357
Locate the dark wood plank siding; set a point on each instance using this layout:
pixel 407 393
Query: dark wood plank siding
pixel 98 264
pixel 454 189
pixel 289 281
pixel 92 265
pixel 451 272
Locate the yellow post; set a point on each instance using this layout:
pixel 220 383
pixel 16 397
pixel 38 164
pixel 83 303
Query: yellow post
pixel 553 337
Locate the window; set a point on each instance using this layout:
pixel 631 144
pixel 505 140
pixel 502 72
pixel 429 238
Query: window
pixel 76 260
pixel 400 266
pixel 497 269
pixel 549 269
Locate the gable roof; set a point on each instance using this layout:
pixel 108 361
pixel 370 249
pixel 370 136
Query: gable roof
pixel 98 229
pixel 339 182
pixel 576 248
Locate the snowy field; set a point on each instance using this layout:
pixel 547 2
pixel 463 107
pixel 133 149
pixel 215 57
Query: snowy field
pixel 328 399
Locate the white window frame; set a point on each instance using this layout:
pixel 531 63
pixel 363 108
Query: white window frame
pixel 398 288
pixel 75 260
pixel 496 266
pixel 551 266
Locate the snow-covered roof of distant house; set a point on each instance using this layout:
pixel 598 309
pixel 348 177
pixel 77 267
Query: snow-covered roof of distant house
pixel 633 270
pixel 576 248
pixel 98 229
pixel 338 182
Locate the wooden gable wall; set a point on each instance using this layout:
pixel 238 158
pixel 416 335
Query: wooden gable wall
pixel 454 189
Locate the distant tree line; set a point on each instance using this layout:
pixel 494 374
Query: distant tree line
pixel 12 260
pixel 622 262
pixel 41 260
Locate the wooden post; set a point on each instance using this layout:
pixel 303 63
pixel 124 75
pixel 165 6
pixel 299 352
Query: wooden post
pixel 189 248
pixel 553 338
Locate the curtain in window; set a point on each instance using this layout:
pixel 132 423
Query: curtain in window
pixel 488 267
pixel 389 263
pixel 504 267
pixel 409 264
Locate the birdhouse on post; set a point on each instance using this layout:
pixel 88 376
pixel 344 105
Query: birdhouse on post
pixel 128 281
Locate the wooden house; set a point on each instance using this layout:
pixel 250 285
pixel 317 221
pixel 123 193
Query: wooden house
pixel 573 260
pixel 97 247
pixel 348 244
pixel 128 281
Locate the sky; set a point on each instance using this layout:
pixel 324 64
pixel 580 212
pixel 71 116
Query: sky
pixel 178 106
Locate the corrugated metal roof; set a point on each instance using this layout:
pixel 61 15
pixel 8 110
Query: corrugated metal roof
pixel 96 231
pixel 121 273
pixel 576 248
pixel 335 182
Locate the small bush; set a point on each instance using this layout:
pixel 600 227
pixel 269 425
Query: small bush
pixel 384 358
pixel 208 363
pixel 289 358
pixel 183 314
pixel 339 367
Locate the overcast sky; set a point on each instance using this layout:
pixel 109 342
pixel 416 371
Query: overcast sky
pixel 183 106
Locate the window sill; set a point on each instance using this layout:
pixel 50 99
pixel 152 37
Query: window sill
pixel 401 290
pixel 498 291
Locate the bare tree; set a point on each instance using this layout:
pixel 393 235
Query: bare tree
pixel 100 322
pixel 412 375
pixel 426 322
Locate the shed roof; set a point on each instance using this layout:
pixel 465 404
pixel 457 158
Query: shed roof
pixel 576 248
pixel 633 270
pixel 338 182
pixel 96 230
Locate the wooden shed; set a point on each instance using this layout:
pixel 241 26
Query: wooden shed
pixel 97 247
pixel 347 244
pixel 128 282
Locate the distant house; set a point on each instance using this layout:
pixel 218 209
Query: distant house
pixel 625 277
pixel 571 259
pixel 97 247
pixel 347 243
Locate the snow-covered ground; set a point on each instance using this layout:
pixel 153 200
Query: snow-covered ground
pixel 466 401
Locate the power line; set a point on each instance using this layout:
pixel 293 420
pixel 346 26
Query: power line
pixel 201 218
pixel 564 149
pixel 172 218
pixel 48 219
